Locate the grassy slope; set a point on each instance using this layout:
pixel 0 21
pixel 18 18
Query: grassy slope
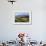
pixel 24 19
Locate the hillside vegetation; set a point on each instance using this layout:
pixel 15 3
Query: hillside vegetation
pixel 22 19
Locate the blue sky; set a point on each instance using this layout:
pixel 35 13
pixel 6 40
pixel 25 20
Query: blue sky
pixel 22 13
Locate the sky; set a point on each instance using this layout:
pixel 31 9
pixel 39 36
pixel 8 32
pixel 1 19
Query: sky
pixel 22 13
pixel 9 31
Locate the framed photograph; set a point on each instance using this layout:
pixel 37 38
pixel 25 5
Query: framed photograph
pixel 22 17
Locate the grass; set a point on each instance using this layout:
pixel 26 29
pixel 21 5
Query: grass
pixel 22 19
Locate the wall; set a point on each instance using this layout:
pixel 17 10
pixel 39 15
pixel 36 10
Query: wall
pixel 9 31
